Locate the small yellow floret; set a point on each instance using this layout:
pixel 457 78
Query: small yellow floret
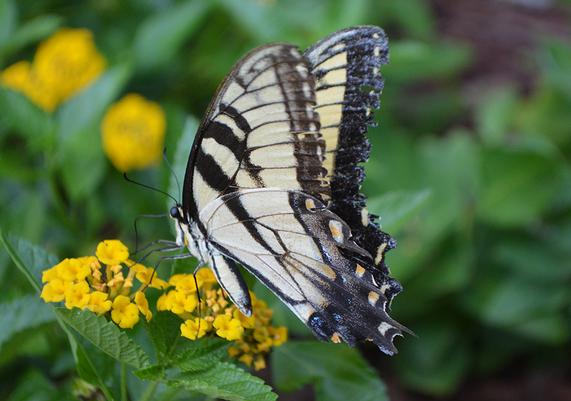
pixel 259 363
pixel 54 291
pixel 183 282
pixel 228 327
pixel 205 277
pixel 99 302
pixel 143 305
pixel 194 328
pixel 112 252
pixel 77 295
pixel 148 276
pixel 278 335
pixel 124 313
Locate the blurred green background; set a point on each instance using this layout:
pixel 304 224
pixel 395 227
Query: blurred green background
pixel 470 172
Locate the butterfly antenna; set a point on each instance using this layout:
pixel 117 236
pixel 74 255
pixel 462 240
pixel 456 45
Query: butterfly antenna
pixel 165 158
pixel 149 187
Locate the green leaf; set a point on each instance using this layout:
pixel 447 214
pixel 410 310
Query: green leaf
pixel 160 36
pixel 495 114
pixel 336 371
pixel 198 355
pixel 33 31
pixel 436 362
pixel 8 20
pixel 83 163
pixel 30 259
pixel 30 264
pixel 437 60
pixel 183 147
pixel 396 208
pixel 164 330
pixel 106 336
pixel 84 110
pixel 517 186
pixel 226 381
pixel 23 313
pixel 24 116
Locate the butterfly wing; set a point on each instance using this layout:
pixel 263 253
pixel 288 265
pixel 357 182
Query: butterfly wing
pixel 260 131
pixel 297 248
pixel 348 86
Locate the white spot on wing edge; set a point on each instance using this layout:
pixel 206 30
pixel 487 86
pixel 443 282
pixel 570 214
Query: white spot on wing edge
pixel 383 327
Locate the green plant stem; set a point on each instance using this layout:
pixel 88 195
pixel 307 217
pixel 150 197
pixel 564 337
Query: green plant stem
pixel 149 391
pixel 124 395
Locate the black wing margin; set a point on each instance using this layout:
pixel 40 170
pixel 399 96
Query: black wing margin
pixel 346 66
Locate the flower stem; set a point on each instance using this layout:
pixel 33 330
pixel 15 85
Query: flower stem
pixel 124 395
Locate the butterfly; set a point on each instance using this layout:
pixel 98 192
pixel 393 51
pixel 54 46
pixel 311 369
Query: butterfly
pixel 273 184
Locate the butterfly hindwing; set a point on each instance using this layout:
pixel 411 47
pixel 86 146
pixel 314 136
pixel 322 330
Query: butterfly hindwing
pixel 295 246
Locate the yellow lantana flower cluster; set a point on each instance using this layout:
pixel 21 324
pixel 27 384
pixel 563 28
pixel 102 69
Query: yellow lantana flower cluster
pixel 133 132
pixel 64 64
pixel 103 283
pixel 254 336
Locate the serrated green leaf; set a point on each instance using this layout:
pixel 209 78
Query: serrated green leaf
pixel 31 260
pixel 336 371
pixel 396 208
pixel 106 336
pixel 84 110
pixel 197 355
pixel 23 313
pixel 24 116
pixel 226 381
pixel 164 330
pixel 161 35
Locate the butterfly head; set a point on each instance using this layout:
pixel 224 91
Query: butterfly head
pixel 181 224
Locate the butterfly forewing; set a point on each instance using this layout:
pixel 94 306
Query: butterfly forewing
pixel 261 131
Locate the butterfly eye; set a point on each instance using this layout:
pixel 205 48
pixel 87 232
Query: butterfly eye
pixel 174 212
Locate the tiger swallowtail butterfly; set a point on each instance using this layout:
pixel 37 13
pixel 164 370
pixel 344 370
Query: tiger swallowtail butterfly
pixel 273 184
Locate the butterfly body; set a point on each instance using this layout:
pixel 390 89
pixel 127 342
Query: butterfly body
pixel 273 184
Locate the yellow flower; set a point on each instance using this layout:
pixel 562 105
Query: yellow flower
pixel 183 282
pixel 147 275
pixel 194 329
pixel 133 131
pixel 77 295
pixel 68 61
pixel 99 302
pixel 228 328
pixel 21 77
pixel 205 277
pixel 259 363
pixel 73 269
pixel 246 359
pixel 278 335
pixel 112 252
pixel 143 305
pixel 245 321
pixel 53 291
pixel 124 313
